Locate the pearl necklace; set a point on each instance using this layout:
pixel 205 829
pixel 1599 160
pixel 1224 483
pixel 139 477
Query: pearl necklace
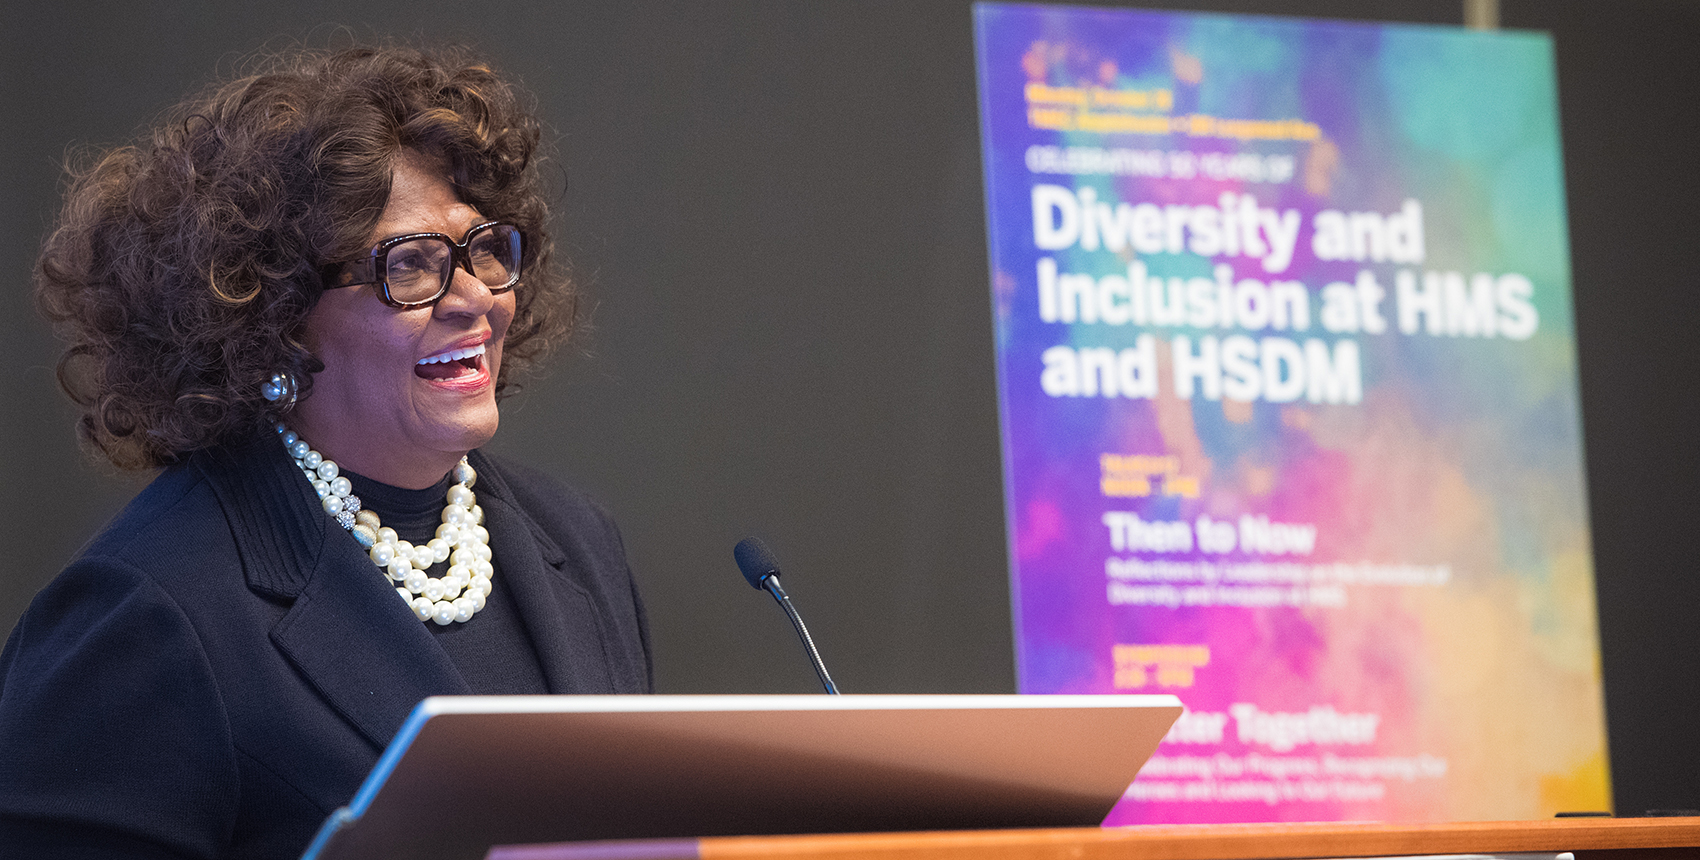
pixel 461 540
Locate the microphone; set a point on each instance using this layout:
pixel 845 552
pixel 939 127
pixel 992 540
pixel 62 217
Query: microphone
pixel 762 571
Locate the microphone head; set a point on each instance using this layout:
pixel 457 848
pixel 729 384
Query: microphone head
pixel 755 560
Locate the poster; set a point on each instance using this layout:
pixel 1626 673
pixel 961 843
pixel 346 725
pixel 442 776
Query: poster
pixel 1289 403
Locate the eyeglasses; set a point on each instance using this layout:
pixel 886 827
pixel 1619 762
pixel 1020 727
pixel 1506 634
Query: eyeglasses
pixel 415 270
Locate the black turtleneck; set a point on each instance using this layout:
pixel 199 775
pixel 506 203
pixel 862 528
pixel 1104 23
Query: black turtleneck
pixel 493 650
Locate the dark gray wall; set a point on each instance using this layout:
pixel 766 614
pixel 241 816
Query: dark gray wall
pixel 777 208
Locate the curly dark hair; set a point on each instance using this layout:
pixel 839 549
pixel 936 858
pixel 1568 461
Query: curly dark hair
pixel 183 267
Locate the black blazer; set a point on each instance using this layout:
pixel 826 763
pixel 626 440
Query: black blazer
pixel 219 669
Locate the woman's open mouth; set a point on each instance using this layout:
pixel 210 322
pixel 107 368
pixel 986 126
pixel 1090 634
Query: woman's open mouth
pixel 451 364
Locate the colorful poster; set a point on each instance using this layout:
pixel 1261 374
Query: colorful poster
pixel 1287 373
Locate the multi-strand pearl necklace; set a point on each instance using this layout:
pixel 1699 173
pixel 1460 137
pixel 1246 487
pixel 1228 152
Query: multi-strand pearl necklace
pixel 461 540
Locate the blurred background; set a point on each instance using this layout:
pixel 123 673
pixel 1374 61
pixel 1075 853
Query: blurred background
pixel 776 210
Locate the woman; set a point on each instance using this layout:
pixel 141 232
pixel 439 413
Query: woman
pixel 304 298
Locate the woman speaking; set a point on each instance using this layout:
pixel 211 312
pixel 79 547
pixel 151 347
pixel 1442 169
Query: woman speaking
pixel 303 297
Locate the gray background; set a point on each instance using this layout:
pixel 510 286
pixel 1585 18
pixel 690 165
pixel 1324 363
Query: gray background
pixel 777 209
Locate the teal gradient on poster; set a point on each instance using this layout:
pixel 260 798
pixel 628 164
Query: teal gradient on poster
pixel 1357 548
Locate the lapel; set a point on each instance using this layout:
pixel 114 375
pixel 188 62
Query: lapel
pixel 347 632
pixel 359 645
pixel 557 613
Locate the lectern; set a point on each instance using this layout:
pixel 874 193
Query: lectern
pixel 469 772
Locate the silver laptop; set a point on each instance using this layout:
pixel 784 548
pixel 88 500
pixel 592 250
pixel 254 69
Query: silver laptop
pixel 469 772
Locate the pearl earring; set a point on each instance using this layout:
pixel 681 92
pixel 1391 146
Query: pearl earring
pixel 280 389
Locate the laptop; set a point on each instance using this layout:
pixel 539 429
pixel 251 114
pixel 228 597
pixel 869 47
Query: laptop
pixel 469 772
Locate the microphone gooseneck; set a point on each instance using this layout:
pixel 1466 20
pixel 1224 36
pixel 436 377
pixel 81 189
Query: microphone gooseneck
pixel 761 570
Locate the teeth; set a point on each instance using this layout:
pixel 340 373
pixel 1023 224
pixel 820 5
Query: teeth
pixel 454 355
